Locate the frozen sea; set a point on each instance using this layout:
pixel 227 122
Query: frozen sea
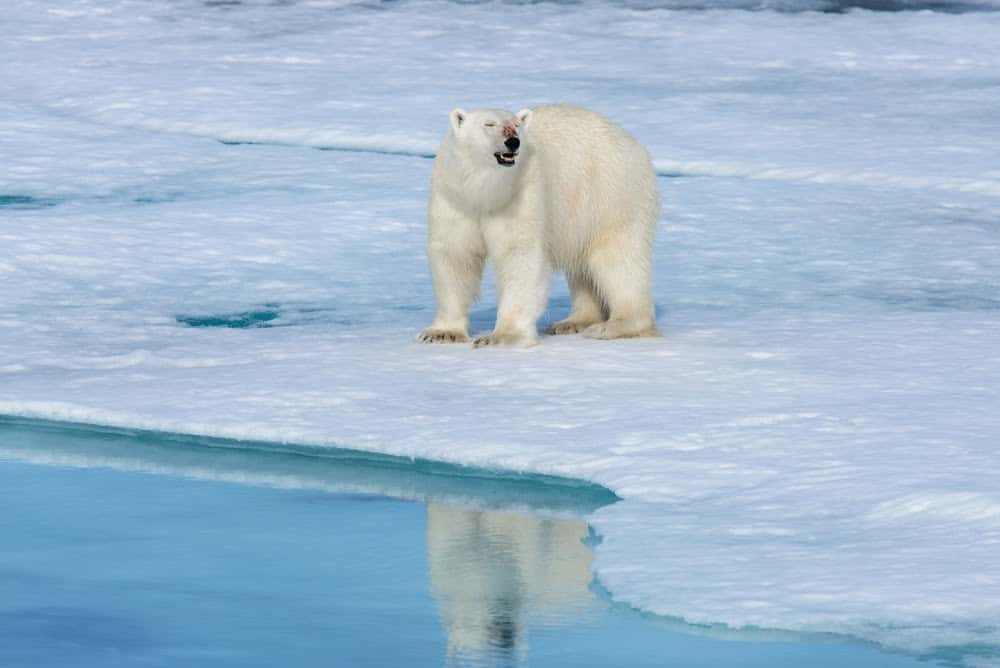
pixel 212 222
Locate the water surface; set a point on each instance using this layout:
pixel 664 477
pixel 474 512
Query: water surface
pixel 134 548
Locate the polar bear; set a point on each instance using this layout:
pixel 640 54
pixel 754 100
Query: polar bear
pixel 554 187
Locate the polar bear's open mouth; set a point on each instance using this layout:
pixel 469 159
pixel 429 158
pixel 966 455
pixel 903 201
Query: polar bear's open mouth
pixel 505 159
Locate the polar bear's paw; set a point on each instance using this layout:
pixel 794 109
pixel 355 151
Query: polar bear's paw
pixel 568 326
pixel 517 340
pixel 620 329
pixel 436 335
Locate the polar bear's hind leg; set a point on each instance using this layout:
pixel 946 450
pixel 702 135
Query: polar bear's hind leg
pixel 586 309
pixel 621 276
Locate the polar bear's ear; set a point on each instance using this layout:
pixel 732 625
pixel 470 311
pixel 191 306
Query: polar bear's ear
pixel 524 116
pixel 457 118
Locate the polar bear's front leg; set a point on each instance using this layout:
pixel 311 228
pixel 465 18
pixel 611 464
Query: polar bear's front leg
pixel 522 283
pixel 457 276
pixel 456 254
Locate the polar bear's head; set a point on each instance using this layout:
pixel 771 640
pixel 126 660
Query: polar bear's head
pixel 494 136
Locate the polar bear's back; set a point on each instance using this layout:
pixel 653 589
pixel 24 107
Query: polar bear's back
pixel 600 181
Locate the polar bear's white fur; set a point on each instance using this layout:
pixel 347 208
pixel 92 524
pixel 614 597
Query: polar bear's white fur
pixel 555 187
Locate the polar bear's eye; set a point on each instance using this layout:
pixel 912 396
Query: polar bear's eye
pixel 490 125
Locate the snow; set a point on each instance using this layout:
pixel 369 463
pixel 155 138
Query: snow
pixel 811 446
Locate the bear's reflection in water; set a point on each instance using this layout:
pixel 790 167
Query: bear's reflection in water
pixel 495 574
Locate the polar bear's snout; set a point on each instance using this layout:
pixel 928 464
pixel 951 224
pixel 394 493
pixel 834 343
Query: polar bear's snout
pixel 511 143
pixel 506 158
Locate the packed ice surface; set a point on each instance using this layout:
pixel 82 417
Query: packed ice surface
pixel 811 446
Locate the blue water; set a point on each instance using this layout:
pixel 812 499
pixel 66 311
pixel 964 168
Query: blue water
pixel 142 549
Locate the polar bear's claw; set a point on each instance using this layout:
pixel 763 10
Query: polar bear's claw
pixel 567 327
pixel 496 339
pixel 619 329
pixel 488 340
pixel 431 335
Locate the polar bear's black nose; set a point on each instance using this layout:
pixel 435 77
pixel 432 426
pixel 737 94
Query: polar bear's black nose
pixel 512 143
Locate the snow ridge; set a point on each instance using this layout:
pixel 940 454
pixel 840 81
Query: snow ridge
pixel 335 140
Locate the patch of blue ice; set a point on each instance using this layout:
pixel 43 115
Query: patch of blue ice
pixel 25 202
